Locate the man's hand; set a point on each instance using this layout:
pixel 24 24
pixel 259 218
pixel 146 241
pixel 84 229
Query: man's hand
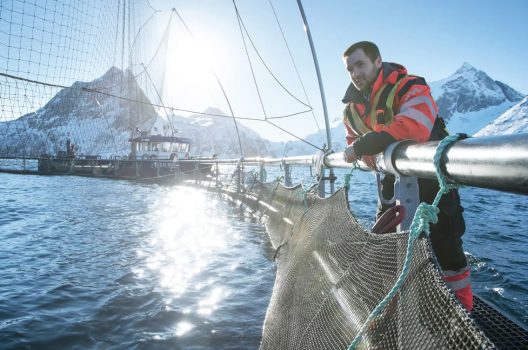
pixel 370 161
pixel 349 155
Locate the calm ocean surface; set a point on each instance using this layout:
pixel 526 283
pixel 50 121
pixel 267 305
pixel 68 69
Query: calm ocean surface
pixel 102 264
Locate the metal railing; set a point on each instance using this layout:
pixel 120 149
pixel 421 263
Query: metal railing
pixel 494 162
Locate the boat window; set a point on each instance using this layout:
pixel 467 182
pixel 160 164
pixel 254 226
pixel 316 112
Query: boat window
pixel 166 146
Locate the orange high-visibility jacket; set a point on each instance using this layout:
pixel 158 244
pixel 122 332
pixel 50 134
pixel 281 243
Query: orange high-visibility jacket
pixel 413 112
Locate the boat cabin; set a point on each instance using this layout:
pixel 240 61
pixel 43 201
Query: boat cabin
pixel 159 147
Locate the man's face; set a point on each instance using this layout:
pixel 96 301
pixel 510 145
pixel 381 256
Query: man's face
pixel 361 69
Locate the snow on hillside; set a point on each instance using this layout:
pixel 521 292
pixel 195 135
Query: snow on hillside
pixel 101 124
pixel 471 122
pixel 97 123
pixel 513 121
pixel 216 134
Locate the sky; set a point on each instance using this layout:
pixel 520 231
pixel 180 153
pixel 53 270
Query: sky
pixel 431 38
pixel 205 58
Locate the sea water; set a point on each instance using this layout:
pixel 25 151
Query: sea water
pixel 105 264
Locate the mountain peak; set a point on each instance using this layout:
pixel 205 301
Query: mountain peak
pixel 111 74
pixel 214 111
pixel 470 90
pixel 466 67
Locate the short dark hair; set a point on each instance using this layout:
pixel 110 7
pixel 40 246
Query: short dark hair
pixel 370 49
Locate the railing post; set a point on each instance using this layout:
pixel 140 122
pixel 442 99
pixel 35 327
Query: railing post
pixel 238 176
pixel 287 175
pixel 321 186
pixel 196 172
pixel 262 173
pixel 407 195
pixel 216 173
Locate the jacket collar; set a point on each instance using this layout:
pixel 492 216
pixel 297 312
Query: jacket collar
pixel 354 95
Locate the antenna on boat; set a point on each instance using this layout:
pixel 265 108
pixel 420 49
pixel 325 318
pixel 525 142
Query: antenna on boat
pixel 331 176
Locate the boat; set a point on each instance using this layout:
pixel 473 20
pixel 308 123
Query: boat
pixel 156 158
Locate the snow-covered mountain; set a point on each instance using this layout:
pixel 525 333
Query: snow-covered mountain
pixel 91 116
pixel 470 90
pixel 96 122
pixel 513 121
pixel 214 133
pixel 217 135
pixel 468 100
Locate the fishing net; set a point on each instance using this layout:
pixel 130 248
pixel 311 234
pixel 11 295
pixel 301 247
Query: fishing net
pixel 331 273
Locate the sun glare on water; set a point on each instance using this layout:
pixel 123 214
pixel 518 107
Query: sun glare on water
pixel 189 236
pixel 183 251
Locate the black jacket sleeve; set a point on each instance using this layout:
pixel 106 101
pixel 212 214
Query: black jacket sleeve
pixel 372 143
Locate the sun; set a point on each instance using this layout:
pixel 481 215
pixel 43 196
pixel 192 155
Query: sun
pixel 190 81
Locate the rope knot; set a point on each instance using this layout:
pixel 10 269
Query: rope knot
pixel 430 213
pixel 425 214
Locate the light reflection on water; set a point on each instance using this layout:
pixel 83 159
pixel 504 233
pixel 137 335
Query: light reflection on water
pixel 188 236
pixel 127 266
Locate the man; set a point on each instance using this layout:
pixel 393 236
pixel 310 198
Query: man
pixel 384 105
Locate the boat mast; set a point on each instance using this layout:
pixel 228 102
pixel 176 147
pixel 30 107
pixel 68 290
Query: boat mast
pixel 323 99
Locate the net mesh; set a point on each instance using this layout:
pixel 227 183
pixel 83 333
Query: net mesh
pixel 73 71
pixel 331 273
pixel 96 72
pixel 47 48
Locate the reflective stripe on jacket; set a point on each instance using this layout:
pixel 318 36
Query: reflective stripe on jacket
pixel 407 109
pixel 460 283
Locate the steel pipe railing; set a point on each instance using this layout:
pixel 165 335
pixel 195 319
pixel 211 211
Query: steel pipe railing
pixel 494 162
pixel 299 160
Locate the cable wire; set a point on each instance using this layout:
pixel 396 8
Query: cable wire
pixel 266 66
pixel 249 60
pixel 293 62
pixel 297 137
pixel 147 103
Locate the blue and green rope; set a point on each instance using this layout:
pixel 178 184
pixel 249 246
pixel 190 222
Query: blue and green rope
pixel 425 214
